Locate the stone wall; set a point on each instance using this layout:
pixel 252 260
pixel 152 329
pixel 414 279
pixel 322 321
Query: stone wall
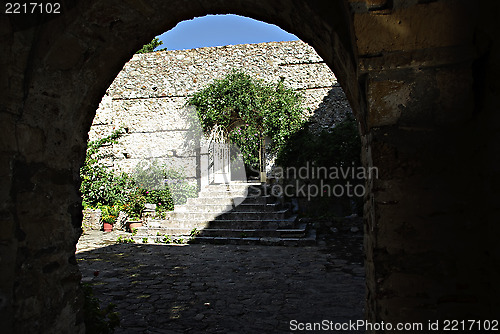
pixel 148 97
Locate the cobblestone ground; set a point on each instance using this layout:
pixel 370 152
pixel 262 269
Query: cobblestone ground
pixel 221 288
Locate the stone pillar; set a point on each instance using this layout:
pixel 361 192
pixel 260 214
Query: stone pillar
pixel 92 219
pixel 425 255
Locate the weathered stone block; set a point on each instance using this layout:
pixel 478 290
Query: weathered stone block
pixel 420 97
pixel 432 25
pixel 385 101
pixel 417 310
pixel 92 218
pixel 151 115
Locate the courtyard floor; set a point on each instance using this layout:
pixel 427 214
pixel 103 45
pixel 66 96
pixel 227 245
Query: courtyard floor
pixel 223 288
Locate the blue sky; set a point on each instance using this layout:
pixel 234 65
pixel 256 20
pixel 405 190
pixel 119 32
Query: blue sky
pixel 218 30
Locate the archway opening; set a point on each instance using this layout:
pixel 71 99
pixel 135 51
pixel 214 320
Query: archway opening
pixel 72 59
pixel 330 265
pixel 411 88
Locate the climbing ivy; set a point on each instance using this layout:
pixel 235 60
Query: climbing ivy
pixel 99 184
pixel 263 109
pixel 247 139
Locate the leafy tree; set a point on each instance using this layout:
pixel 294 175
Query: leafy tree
pixel 265 110
pixel 151 46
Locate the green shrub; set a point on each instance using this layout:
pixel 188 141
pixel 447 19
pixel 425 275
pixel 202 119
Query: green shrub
pixel 151 46
pixel 135 204
pixel 179 187
pixel 162 186
pixel 99 185
pixel 149 183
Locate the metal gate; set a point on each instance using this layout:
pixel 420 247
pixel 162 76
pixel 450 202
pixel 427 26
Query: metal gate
pixel 219 167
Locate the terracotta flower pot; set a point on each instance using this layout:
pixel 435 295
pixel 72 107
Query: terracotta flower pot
pixel 107 227
pixel 133 224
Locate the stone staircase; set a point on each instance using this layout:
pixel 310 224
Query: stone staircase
pixel 237 213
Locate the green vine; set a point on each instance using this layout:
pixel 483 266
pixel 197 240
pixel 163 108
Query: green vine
pixel 99 184
pixel 259 109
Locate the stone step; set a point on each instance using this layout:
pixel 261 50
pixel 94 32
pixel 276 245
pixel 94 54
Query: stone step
pixel 223 208
pixel 233 193
pixel 211 208
pixel 226 200
pixel 230 215
pixel 254 233
pixel 265 207
pixel 228 224
pixel 231 186
pixel 228 190
pixel 309 240
pixel 298 232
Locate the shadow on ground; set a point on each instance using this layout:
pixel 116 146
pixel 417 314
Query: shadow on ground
pixel 223 288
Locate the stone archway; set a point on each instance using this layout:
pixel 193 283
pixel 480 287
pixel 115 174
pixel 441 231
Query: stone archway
pixel 407 68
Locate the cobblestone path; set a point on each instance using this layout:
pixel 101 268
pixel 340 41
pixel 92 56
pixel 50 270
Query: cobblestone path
pixel 220 289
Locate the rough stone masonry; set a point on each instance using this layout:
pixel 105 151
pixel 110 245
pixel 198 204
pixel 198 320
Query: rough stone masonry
pixel 148 96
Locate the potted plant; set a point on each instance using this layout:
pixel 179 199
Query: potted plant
pixel 109 215
pixel 134 208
